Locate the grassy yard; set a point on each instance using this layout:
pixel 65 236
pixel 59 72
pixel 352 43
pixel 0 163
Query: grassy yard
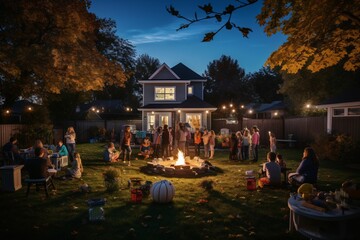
pixel 229 211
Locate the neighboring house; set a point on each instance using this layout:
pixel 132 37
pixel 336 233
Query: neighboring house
pixel 173 95
pixel 344 107
pixel 274 109
pixel 18 110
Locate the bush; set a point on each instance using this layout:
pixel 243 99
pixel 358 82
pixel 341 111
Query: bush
pixel 112 180
pixel 337 147
pixel 29 133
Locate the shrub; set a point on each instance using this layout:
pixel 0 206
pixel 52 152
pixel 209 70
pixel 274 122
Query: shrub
pixel 112 180
pixel 29 133
pixel 336 147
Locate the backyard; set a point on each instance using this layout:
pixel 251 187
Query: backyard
pixel 228 211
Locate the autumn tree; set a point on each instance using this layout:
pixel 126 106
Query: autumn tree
pixel 47 46
pixel 321 33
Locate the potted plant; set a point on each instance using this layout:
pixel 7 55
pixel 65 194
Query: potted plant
pixel 112 179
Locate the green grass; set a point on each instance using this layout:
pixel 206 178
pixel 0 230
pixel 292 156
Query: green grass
pixel 231 211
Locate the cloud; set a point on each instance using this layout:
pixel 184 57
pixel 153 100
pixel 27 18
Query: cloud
pixel 164 34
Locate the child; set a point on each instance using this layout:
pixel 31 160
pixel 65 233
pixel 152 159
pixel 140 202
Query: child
pixel 76 169
pixel 272 172
pixel 111 154
pixel 272 140
pixel 280 161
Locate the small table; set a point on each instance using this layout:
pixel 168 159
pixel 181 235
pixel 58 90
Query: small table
pixel 332 224
pixel 11 177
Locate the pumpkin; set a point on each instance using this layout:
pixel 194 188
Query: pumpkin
pixel 162 191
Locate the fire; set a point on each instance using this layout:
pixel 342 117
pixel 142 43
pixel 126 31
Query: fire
pixel 181 159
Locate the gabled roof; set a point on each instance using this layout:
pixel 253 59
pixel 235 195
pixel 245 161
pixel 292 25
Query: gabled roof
pixel 186 73
pixel 192 102
pixel 163 68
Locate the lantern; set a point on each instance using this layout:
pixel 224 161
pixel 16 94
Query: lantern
pixel 162 191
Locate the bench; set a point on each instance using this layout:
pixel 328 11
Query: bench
pixel 41 182
pixel 290 142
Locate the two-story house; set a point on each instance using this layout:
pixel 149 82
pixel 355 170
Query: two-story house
pixel 173 95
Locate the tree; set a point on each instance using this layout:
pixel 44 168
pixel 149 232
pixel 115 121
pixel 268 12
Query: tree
pixel 266 84
pixel 226 76
pixel 145 66
pixel 321 33
pixel 47 46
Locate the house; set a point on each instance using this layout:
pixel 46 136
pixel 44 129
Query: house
pixel 274 109
pixel 343 110
pixel 173 95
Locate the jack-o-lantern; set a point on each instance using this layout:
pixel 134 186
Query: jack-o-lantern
pixel 162 191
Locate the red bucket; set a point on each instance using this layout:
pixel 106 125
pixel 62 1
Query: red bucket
pixel 136 195
pixel 251 183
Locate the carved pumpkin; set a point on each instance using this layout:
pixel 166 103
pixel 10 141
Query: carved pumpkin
pixel 162 191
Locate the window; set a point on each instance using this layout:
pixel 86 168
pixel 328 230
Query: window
pixel 164 93
pixel 194 120
pixel 190 90
pixel 339 112
pixel 354 111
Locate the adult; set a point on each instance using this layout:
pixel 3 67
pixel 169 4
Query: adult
pixel 157 141
pixel 38 167
pixel 271 170
pixel 307 172
pixel 165 141
pixel 110 153
pixel 245 144
pixel 70 137
pixel 233 147
pixel 255 142
pixel 61 149
pixel 125 145
pixel 239 145
pixel 212 142
pixel 182 137
pixel 205 138
pixel 11 152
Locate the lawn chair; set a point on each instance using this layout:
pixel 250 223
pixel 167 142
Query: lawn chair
pixel 46 183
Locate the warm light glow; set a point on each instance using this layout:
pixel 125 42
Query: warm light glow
pixel 250 111
pixel 97 111
pixel 231 105
pixel 242 106
pixel 276 113
pixel 307 105
pixel 93 109
pixel 179 111
pixel 29 108
pixel 233 110
pixel 181 159
pixel 224 107
pixel 7 111
pixel 207 111
pixel 152 112
pixel 127 109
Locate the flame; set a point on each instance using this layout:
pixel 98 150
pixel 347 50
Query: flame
pixel 181 159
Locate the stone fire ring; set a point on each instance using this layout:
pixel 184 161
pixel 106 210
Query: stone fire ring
pixel 194 168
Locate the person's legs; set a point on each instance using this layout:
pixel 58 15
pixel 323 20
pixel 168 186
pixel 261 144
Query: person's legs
pixel 206 150
pixel 256 153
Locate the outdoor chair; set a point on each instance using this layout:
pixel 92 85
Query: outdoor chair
pixel 46 183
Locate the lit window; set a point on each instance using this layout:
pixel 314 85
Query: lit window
pixel 194 120
pixel 190 90
pixel 164 93
pixel 339 112
pixel 354 111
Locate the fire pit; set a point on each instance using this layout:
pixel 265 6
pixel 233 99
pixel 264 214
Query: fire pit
pixel 182 167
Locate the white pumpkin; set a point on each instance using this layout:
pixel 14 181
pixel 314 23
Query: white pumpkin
pixel 162 191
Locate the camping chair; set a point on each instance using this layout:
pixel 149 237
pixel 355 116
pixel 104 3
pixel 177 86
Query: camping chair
pixel 41 182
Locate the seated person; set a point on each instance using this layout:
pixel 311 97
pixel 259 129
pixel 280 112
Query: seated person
pixel 11 152
pixel 111 154
pixel 307 171
pixel 38 166
pixel 76 169
pixel 271 170
pixel 280 161
pixel 61 149
pixel 38 144
pixel 145 148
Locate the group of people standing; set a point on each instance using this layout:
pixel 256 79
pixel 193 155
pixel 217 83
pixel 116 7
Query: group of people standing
pixel 244 144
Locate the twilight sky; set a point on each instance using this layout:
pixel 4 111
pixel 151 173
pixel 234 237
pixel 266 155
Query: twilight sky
pixel 152 30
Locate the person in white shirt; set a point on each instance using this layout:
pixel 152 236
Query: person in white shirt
pixel 272 171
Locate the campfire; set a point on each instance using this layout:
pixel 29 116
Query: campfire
pixel 181 167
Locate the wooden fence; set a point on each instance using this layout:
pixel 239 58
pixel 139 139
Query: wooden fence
pixel 303 130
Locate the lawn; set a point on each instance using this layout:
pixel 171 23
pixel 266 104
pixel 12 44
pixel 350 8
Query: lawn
pixel 229 211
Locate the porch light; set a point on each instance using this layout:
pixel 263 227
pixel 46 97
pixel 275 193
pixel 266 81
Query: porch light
pixel 179 111
pixel 152 112
pixel 30 108
pixel 276 113
pixel 207 112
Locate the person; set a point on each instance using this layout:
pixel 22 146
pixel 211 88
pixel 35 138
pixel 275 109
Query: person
pixel 76 169
pixel 205 138
pixel 245 144
pixel 307 172
pixel 280 161
pixel 11 152
pixel 157 141
pixel 61 149
pixel 38 166
pixel 111 154
pixel 233 147
pixel 239 145
pixel 171 139
pixel 182 137
pixel 188 141
pixel 271 170
pixel 165 141
pixel 70 137
pixel 272 140
pixel 197 141
pixel 125 145
pixel 212 141
pixel 145 148
pixel 255 142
